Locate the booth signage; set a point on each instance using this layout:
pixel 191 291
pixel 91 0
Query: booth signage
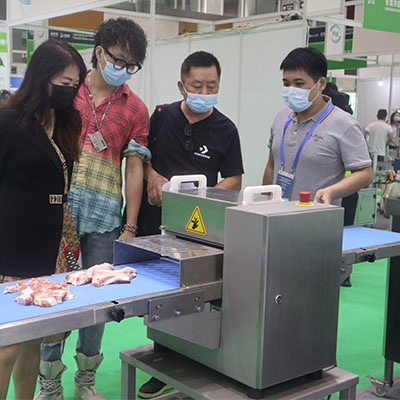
pixel 334 39
pixel 382 15
pixel 72 37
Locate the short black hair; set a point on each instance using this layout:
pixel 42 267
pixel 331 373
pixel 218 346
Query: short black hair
pixel 308 59
pixel 199 59
pixel 382 114
pixel 122 32
pixel 330 86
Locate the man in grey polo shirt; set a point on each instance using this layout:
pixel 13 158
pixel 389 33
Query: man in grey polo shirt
pixel 312 142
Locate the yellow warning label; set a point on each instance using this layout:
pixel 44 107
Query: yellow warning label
pixel 195 223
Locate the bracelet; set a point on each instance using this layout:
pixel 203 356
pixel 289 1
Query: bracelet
pixel 131 228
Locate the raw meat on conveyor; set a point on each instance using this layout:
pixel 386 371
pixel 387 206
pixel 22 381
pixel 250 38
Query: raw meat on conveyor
pixel 100 275
pixel 41 292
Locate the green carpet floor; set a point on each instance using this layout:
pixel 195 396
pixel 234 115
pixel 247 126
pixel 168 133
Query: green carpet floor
pixel 360 335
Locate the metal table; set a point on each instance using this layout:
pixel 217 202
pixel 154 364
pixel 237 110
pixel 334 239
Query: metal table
pixel 202 383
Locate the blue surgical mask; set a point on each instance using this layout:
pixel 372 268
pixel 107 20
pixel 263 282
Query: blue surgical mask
pixel 200 103
pixel 112 76
pixel 297 98
pixel 397 119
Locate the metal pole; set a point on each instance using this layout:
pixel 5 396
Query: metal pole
pixel 391 86
pixel 152 52
pixel 239 86
pixel 9 45
pixel 241 8
pixel 9 56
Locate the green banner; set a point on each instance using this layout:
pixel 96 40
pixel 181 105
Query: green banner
pixel 382 15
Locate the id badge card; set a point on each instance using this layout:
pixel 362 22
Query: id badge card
pixel 285 180
pixel 98 141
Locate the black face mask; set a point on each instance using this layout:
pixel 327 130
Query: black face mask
pixel 62 96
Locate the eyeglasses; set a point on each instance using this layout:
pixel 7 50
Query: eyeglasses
pixel 188 133
pixel 122 64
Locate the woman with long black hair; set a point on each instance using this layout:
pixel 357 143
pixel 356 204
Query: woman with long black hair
pixel 39 133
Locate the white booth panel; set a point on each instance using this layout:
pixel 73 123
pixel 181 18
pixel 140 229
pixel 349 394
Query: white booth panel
pixel 261 94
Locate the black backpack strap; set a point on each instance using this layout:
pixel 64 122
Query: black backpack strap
pixel 156 121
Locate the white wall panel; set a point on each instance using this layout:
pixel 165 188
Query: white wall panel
pixel 261 94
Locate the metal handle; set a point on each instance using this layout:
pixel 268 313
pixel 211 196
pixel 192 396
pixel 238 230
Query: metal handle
pixel 176 181
pixel 250 191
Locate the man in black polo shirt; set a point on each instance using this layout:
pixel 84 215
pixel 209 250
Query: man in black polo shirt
pixel 190 137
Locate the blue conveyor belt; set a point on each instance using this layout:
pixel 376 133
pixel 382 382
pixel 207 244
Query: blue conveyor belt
pixel 152 277
pixel 356 237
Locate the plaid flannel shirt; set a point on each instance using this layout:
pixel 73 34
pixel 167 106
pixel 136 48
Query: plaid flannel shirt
pixel 95 195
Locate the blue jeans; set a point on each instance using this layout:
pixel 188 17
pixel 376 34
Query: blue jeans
pixel 96 248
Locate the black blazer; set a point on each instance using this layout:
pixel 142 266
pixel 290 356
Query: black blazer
pixel 30 227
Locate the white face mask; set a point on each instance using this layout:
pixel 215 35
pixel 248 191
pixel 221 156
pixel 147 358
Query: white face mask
pixel 297 98
pixel 200 103
pixel 113 76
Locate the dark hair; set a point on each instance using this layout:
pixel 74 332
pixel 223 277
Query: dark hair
pixel 382 114
pixel 392 116
pixel 308 59
pixel 4 96
pixel 330 86
pixel 31 100
pixel 122 32
pixel 199 59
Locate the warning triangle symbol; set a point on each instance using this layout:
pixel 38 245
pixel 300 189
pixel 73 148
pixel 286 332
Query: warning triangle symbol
pixel 195 223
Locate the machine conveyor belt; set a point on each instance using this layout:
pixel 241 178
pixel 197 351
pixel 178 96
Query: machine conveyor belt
pixel 155 278
pixel 19 323
pixel 367 244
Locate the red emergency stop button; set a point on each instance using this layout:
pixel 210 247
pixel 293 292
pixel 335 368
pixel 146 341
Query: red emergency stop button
pixel 304 197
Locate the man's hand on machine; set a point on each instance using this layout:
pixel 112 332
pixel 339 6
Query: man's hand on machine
pixel 154 187
pixel 323 196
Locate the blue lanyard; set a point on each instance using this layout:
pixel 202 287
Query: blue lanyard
pixel 296 159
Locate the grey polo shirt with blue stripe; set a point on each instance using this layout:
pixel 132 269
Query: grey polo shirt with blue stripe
pixel 337 145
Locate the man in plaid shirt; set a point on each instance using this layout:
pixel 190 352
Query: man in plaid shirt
pixel 115 124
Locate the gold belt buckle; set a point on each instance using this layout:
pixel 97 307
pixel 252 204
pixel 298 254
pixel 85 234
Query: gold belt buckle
pixel 55 198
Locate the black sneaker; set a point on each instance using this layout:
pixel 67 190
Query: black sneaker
pixel 346 282
pixel 153 388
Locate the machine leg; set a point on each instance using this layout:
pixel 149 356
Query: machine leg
pixel 388 377
pixel 254 393
pixel 348 394
pixel 381 386
pixel 128 381
pixel 159 348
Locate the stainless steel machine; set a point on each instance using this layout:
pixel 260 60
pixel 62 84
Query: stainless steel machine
pixel 263 310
